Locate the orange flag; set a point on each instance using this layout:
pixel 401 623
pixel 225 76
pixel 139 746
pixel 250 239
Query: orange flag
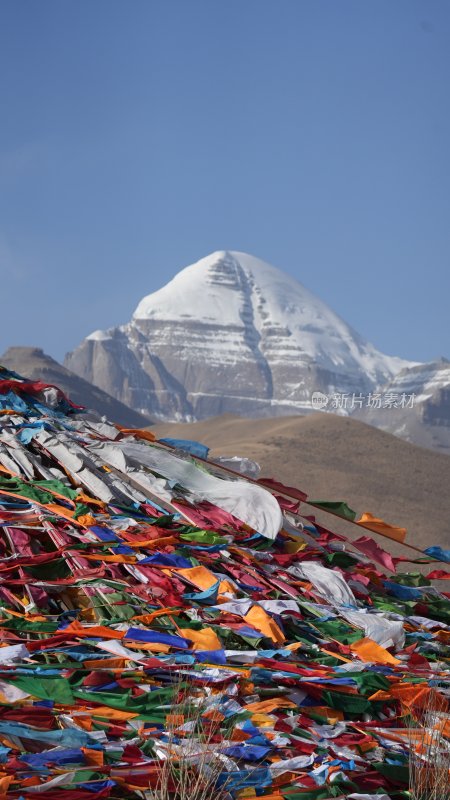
pixel 379 526
pixel 201 577
pixel 368 650
pixel 266 706
pixel 138 433
pixel 90 631
pixel 205 639
pixel 260 620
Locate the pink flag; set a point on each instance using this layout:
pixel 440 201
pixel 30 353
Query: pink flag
pixel 370 548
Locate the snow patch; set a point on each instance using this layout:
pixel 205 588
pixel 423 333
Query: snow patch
pixel 99 336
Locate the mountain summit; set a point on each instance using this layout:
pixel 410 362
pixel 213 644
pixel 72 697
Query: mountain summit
pixel 230 333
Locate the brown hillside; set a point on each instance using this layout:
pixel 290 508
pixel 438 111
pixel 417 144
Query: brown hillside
pixel 33 363
pixel 338 458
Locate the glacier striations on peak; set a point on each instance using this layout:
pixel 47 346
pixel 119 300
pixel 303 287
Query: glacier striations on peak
pixel 230 333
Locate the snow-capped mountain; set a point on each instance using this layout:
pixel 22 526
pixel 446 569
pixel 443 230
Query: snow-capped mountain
pixel 415 405
pixel 230 333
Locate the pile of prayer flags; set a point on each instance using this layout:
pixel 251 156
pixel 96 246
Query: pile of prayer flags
pixel 140 582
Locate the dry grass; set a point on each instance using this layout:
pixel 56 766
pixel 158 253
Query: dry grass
pixel 190 766
pixel 429 749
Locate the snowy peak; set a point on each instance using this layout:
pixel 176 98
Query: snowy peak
pixel 211 290
pixel 231 288
pixel 216 288
pixel 230 333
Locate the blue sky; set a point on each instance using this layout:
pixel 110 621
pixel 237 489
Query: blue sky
pixel 137 137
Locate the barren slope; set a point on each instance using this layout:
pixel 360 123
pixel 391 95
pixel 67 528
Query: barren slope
pixel 37 365
pixel 339 458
